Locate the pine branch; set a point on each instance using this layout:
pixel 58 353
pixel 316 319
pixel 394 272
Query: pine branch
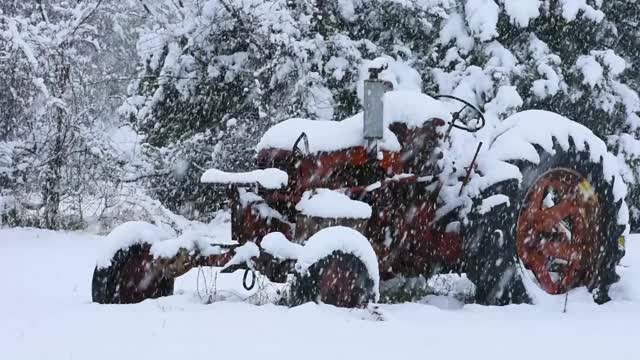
pixel 145 176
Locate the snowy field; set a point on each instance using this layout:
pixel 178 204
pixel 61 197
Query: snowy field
pixel 46 313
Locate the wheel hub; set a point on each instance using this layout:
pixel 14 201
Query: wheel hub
pixel 339 283
pixel 557 230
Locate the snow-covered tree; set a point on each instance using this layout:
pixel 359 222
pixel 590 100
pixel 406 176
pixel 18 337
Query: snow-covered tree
pixel 55 156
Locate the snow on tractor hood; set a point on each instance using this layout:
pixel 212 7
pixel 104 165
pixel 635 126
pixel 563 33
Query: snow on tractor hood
pixel 411 108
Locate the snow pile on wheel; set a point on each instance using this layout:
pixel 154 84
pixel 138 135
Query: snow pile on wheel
pixel 516 140
pixel 197 237
pixel 326 203
pixel 164 241
pixel 129 234
pixel 342 239
pixel 411 108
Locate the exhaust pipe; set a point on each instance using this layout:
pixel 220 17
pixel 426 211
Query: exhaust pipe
pixel 374 90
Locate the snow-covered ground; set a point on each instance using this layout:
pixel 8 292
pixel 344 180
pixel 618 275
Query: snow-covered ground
pixel 46 313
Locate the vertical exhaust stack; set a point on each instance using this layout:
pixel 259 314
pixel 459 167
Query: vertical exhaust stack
pixel 374 89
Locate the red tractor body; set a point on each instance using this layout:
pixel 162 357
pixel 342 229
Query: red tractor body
pixel 404 230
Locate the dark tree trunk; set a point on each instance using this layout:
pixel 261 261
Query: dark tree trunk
pixel 51 191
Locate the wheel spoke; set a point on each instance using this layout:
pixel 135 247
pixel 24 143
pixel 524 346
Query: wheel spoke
pixel 548 218
pixel 579 230
pixel 538 264
pixel 571 275
pixel 531 241
pixel 560 250
pixel 535 200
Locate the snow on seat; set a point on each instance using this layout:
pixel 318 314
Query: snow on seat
pixel 325 203
pixel 267 178
pixel 342 239
pixel 411 108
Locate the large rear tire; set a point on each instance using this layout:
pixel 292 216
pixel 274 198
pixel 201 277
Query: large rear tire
pixel 129 278
pixel 559 223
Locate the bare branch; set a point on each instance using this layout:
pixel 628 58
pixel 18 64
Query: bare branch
pixel 45 18
pixel 87 16
pixel 145 7
pixel 145 176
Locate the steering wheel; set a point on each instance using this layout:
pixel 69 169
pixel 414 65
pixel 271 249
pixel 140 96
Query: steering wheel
pixel 467 104
pixel 296 149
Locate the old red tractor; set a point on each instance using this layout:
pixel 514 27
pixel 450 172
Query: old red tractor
pixel 406 188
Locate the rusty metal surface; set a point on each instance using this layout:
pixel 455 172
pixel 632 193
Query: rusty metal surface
pixel 137 277
pixel 406 236
pixel 402 231
pixel 557 235
pixel 306 226
pixel 339 283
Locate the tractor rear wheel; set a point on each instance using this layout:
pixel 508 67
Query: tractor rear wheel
pixel 130 278
pixel 338 279
pixel 558 224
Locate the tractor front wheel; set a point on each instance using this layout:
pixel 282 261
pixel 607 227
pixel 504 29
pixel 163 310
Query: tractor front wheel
pixel 130 278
